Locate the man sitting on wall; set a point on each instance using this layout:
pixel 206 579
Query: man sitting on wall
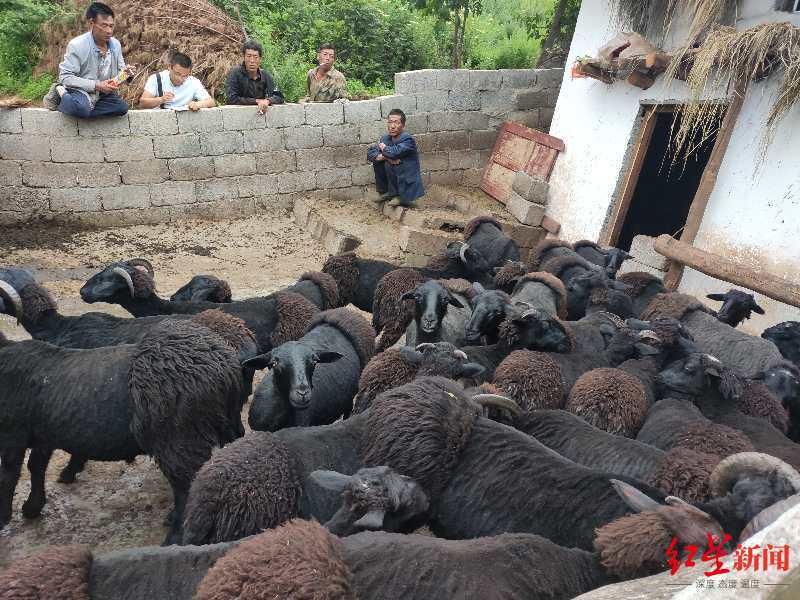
pixel 249 84
pixel 176 88
pixel 323 82
pixel 396 163
pixel 90 74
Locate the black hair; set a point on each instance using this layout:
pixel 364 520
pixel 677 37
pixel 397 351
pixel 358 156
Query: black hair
pixel 98 8
pixel 326 47
pixel 397 111
pixel 179 58
pixel 253 45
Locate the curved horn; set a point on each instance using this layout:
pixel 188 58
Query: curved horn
pixel 425 346
pixel 14 298
pixel 127 277
pixel 649 334
pixel 460 354
pixel 141 262
pixel 462 252
pixel 497 401
pixel 726 473
pixel 768 516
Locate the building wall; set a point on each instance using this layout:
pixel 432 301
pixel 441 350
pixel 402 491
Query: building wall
pixel 751 216
pixel 152 165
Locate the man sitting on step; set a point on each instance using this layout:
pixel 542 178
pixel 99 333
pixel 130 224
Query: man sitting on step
pixel 395 160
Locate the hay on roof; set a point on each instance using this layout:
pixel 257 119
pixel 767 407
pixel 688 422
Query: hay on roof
pixel 150 31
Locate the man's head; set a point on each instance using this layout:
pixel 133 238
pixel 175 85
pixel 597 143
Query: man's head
pixel 252 52
pixel 396 122
pixel 101 20
pixel 326 56
pixel 180 68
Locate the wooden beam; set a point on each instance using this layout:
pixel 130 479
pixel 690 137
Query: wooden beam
pixel 718 267
pixel 708 180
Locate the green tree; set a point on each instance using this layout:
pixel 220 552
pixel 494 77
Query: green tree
pixel 456 12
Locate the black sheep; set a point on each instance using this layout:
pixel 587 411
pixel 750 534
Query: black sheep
pixel 783 380
pixel 173 396
pixel 736 306
pixel 610 259
pixel 786 336
pixel 489 309
pixel 312 381
pixel 485 234
pixel 642 289
pixel 548 249
pixel 441 310
pixel 202 288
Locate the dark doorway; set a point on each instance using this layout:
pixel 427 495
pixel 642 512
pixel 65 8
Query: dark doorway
pixel 664 191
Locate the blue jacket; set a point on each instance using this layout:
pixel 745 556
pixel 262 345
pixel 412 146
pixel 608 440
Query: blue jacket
pixel 409 176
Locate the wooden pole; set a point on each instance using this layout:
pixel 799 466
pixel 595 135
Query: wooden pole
pixel 718 267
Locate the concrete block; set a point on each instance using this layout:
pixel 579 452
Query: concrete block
pixel 362 111
pixel 24 147
pixel 445 177
pixel 185 169
pixel 409 82
pixel 408 104
pixel 301 210
pixel 452 79
pixel 485 80
pixel 416 124
pixel 529 118
pixel 242 118
pixel 333 178
pixel 426 142
pixel 105 127
pixel 424 242
pixel 102 175
pixel 465 159
pixel 171 193
pixel 40 121
pixel 127 149
pixel 17 198
pixel 315 159
pixel 324 113
pixel 221 142
pixel 77 150
pixel 471 177
pixel 482 139
pixel 153 122
pixel 336 241
pixel 11 121
pixel 428 102
pixel 354 192
pixel 341 135
pixel 10 172
pixel 351 156
pixel 435 161
pixel 303 137
pixel 457 121
pixel 125 196
pixel 496 104
pixel 630 266
pixel 230 165
pixel 364 175
pixel 297 181
pixel 546 118
pixel 285 115
pixel 263 140
pixel 144 171
pixel 524 211
pixel 370 133
pixel 257 185
pixel 75 200
pixel 468 100
pixel 524 235
pixel 549 78
pixel 642 251
pixel 518 78
pixel 202 121
pixel 530 188
pixel 447 141
pixel 550 225
pixel 210 190
pixel 48 175
pixel 177 146
pixel 276 162
pixel 527 99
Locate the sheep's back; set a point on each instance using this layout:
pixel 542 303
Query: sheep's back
pixel 666 421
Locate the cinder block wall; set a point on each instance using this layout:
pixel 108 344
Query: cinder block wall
pixel 153 166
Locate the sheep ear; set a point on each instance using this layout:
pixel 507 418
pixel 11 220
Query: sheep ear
pixel 328 357
pixel 455 302
pixel 717 297
pixel 407 296
pixel 471 370
pixel 638 501
pixel 258 362
pixel 372 520
pixel 330 480
pixel 756 308
pixel 410 355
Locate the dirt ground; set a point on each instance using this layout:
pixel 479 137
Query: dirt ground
pixel 116 505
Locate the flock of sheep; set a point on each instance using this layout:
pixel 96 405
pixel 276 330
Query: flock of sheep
pixel 555 426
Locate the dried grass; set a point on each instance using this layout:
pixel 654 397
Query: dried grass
pixel 150 31
pixel 639 14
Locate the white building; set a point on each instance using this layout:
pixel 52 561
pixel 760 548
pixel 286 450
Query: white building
pixel 752 216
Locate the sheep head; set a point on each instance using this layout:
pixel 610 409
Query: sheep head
pixel 736 306
pixel 783 380
pixel 442 359
pixel 13 282
pixel 472 260
pixel 489 308
pixel 203 288
pixel 431 300
pixel 695 375
pixel 120 281
pixel 535 329
pixel 786 336
pixel 374 498
pixel 614 259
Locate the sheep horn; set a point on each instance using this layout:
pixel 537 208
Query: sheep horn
pixel 142 262
pixel 462 252
pixel 460 354
pixel 425 346
pixel 768 516
pixel 497 401
pixel 649 334
pixel 127 277
pixel 14 298
pixel 731 468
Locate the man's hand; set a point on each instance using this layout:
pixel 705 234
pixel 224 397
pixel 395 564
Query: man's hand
pixel 393 161
pixel 262 105
pixel 106 87
pixel 194 106
pixel 382 146
pixel 131 70
pixel 380 157
pixel 167 97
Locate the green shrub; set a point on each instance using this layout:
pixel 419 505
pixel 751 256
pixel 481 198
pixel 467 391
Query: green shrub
pixel 19 43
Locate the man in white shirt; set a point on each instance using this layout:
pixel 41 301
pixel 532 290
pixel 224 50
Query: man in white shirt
pixel 176 88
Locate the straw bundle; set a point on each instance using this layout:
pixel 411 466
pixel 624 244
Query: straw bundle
pixel 150 31
pixel 639 14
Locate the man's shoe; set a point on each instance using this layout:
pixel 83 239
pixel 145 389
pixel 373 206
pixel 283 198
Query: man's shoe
pixel 52 98
pixel 384 198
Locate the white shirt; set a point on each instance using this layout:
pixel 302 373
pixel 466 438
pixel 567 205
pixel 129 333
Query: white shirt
pixel 189 91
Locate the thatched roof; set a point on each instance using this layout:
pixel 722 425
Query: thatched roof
pixel 149 31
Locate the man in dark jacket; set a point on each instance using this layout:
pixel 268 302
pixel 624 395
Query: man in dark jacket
pixel 249 84
pixel 396 162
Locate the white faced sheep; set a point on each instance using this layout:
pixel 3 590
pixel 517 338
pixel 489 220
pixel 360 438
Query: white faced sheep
pixel 312 381
pixel 173 396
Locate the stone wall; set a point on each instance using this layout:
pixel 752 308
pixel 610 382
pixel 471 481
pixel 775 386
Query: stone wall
pixel 153 166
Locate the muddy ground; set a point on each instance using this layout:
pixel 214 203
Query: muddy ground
pixel 116 505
